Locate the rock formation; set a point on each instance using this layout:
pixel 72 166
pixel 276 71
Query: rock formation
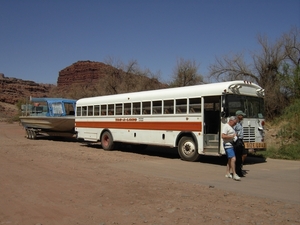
pixel 82 72
pixel 13 89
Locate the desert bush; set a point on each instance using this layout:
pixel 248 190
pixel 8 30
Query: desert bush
pixel 288 134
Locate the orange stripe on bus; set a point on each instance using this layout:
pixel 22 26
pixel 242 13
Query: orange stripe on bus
pixel 140 125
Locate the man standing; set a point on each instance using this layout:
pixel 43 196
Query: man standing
pixel 240 151
pixel 228 136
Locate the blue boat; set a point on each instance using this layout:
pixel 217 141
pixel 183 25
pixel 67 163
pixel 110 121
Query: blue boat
pixel 50 116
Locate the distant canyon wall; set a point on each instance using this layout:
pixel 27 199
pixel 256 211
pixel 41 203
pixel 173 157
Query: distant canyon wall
pixel 13 89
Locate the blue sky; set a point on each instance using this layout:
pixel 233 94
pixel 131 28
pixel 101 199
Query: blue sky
pixel 39 38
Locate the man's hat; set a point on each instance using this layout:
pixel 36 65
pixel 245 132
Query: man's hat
pixel 240 112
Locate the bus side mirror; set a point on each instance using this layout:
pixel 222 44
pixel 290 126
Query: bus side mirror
pixel 223 114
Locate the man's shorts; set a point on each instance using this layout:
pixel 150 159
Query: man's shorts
pixel 230 153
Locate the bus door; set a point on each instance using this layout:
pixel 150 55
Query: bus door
pixel 212 122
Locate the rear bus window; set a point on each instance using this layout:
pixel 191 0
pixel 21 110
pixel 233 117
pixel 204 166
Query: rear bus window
pixel 78 111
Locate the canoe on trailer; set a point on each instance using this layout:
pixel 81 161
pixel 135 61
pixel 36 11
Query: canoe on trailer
pixel 50 116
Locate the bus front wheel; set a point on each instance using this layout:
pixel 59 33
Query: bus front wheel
pixel 187 149
pixel 107 141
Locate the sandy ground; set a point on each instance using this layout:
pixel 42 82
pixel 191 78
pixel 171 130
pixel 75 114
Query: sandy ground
pixel 47 182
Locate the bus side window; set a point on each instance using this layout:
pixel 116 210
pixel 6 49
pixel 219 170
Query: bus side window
pixel 90 110
pixel 96 110
pixel 111 109
pixel 181 106
pixel 146 107
pixel 168 106
pixel 192 110
pixel 119 108
pixel 127 108
pixel 195 105
pixel 156 107
pixel 103 110
pixel 136 108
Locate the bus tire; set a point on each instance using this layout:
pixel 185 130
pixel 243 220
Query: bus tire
pixel 187 149
pixel 107 141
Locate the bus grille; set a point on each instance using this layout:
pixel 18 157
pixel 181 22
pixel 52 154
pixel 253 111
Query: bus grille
pixel 249 134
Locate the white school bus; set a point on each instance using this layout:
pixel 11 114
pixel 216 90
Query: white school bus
pixel 190 118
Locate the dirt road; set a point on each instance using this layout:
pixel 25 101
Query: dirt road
pixel 47 181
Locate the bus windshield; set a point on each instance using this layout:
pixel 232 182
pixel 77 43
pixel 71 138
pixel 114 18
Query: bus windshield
pixel 252 106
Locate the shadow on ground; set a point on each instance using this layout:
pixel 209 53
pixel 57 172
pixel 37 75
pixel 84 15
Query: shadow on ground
pixel 172 153
pixel 55 138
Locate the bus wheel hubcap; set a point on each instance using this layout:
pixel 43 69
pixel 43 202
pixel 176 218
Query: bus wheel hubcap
pixel 188 148
pixel 106 140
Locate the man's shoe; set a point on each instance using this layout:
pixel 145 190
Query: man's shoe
pixel 240 174
pixel 236 177
pixel 228 175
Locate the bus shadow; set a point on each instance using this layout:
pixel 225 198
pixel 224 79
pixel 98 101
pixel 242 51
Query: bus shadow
pixel 164 152
pixel 222 160
pixel 172 153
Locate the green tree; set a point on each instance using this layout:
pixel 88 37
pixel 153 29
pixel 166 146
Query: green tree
pixel 290 80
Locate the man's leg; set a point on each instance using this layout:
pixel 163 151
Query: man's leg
pixel 232 164
pixel 238 162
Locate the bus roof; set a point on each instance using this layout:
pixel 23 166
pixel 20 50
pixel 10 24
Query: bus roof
pixel 212 89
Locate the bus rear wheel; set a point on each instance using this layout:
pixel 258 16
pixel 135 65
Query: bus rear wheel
pixel 187 149
pixel 107 141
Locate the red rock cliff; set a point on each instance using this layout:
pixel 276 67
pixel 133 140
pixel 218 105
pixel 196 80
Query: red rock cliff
pixel 82 72
pixel 13 89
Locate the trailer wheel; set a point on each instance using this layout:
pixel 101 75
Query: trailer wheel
pixel 107 141
pixel 27 133
pixel 187 149
pixel 33 134
pixel 30 134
